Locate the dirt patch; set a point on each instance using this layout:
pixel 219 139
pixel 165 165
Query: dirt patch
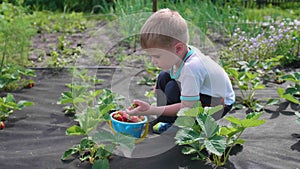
pixel 101 47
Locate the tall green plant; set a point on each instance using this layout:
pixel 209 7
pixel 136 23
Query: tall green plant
pixel 15 33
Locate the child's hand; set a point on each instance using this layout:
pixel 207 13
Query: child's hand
pixel 139 108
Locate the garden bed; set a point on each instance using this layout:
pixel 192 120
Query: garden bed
pixel 35 136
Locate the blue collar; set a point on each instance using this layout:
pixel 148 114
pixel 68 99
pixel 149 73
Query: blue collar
pixel 181 66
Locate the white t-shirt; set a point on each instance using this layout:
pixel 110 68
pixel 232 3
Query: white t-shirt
pixel 201 74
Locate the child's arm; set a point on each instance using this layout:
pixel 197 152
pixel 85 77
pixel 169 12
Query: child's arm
pixel 144 108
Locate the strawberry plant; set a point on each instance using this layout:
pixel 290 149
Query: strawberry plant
pixel 92 108
pixel 64 55
pixel 152 73
pixel 13 77
pixel 79 91
pixel 8 105
pixel 202 136
pixel 99 148
pixel 292 91
pixel 248 83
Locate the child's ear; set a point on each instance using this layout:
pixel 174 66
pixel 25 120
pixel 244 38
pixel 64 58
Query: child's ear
pixel 179 48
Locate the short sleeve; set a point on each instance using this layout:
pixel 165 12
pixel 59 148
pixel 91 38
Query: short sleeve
pixel 190 84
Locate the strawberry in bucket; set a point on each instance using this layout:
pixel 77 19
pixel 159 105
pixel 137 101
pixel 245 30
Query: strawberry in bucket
pixel 128 124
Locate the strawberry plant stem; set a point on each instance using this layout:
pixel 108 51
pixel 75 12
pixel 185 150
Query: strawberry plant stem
pixel 230 148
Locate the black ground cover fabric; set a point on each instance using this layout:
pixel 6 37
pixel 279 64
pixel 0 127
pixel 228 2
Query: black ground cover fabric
pixel 34 138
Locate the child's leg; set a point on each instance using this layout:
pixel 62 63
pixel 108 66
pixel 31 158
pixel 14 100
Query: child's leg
pixel 167 92
pixel 227 108
pixel 207 100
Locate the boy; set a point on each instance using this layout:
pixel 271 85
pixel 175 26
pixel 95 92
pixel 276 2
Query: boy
pixel 187 77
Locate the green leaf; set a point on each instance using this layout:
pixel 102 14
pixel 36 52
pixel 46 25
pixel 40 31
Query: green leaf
pixel 272 102
pixel 97 92
pixel 243 86
pixel 291 98
pixel 233 72
pixel 125 141
pixel 208 125
pixel 251 123
pixel 251 75
pixel 240 141
pixel 233 120
pixel 101 164
pixel 24 103
pixel 280 92
pixel 254 115
pixel 229 131
pixel 212 110
pixel 118 138
pixel 252 63
pixel 66 97
pixel 184 122
pixel 106 108
pixel 187 136
pixel 103 136
pixel 75 131
pixel 192 112
pixel 89 119
pixel 189 150
pixel 215 145
pixel 259 87
pixel 79 100
pixel 10 98
pixel 257 106
pixel 291 90
pixel 105 150
pixel 86 143
pixel 68 153
pixel 297 76
pixel 292 77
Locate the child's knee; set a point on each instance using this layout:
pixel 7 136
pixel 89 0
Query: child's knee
pixel 163 75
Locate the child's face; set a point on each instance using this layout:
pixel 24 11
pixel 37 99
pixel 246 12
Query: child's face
pixel 163 58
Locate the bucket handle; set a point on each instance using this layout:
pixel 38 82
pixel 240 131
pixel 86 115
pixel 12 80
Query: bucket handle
pixel 137 140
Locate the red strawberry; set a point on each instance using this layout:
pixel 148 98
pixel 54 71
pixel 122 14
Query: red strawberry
pixel 118 117
pixel 30 85
pixel 2 125
pixel 126 117
pixel 134 119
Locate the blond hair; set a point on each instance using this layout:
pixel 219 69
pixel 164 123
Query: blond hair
pixel 164 28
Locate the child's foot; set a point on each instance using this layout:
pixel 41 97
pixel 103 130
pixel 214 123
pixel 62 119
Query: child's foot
pixel 160 127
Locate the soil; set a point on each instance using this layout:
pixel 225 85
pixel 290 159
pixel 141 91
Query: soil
pixel 44 43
